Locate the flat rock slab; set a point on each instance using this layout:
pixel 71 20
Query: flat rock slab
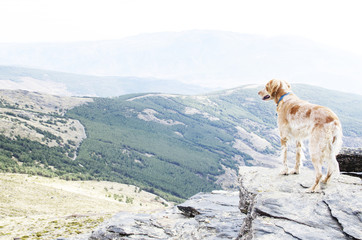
pixel 277 206
pixel 204 216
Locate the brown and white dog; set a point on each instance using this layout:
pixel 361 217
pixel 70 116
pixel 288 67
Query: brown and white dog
pixel 298 120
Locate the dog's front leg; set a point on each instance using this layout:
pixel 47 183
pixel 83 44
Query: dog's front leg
pixel 298 158
pixel 284 142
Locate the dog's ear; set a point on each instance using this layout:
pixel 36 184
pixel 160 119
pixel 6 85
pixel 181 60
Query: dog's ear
pixel 274 87
pixel 288 85
pixel 269 86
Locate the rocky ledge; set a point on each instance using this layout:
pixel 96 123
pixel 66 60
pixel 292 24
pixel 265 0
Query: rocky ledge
pixel 268 206
pixel 277 207
pixel 204 216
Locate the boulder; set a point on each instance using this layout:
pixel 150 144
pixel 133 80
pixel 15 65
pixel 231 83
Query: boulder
pixel 350 161
pixel 278 207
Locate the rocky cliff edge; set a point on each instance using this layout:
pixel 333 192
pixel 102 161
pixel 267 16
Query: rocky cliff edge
pixel 277 206
pixel 268 206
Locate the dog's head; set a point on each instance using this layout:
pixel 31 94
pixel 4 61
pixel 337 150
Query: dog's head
pixel 274 89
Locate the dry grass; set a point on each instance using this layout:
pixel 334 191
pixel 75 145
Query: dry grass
pixel 41 208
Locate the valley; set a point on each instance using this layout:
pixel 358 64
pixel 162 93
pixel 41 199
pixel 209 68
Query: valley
pixel 172 145
pixel 34 207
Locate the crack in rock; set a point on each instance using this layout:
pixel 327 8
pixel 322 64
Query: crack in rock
pixel 338 222
pixel 288 233
pixel 262 213
pixel 246 206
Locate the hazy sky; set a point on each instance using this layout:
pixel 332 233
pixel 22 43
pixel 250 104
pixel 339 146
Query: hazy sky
pixel 336 23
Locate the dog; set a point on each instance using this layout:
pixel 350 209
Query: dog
pixel 299 120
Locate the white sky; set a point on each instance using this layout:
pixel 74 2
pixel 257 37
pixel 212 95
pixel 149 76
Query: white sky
pixel 336 23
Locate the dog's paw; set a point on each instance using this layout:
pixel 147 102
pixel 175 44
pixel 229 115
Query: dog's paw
pixel 313 190
pixel 284 172
pixel 295 171
pixel 326 180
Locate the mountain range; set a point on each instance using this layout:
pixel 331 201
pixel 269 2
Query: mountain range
pixel 211 59
pixel 70 84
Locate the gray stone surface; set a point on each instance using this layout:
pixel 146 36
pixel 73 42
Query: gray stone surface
pixel 214 216
pixel 268 206
pixel 277 206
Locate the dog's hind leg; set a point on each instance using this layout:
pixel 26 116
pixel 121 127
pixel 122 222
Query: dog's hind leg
pixel 284 142
pixel 333 167
pixel 298 158
pixel 333 148
pixel 318 170
pixel 317 155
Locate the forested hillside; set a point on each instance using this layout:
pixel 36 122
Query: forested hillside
pixel 171 145
pixel 182 145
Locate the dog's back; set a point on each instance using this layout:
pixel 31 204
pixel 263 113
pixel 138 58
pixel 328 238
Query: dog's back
pixel 301 119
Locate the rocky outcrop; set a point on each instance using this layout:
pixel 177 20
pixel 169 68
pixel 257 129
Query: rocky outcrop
pixel 350 161
pixel 204 216
pixel 277 207
pixel 268 206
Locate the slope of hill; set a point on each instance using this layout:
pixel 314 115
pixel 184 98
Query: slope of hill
pixel 67 84
pixel 33 207
pixel 171 145
pixel 207 58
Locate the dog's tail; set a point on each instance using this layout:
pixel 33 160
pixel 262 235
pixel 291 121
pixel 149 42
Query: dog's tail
pixel 335 146
pixel 337 140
